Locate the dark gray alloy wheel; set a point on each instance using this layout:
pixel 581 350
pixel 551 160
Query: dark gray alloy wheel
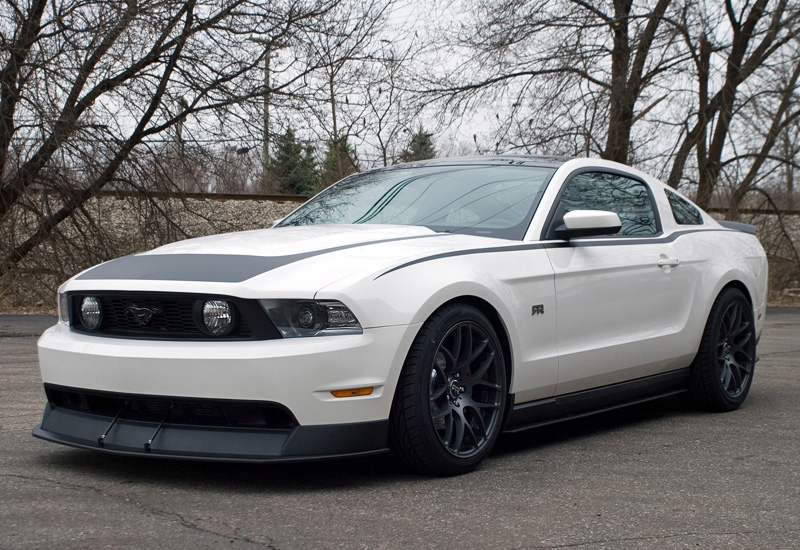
pixel 449 403
pixel 722 372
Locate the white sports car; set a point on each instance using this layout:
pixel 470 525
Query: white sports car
pixel 423 309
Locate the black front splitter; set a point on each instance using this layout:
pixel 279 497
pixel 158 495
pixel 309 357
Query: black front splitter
pixel 211 443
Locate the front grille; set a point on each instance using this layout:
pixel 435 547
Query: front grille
pixel 174 316
pixel 174 410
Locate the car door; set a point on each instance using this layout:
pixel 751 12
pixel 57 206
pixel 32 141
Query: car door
pixel 620 299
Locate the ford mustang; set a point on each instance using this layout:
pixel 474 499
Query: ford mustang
pixel 423 309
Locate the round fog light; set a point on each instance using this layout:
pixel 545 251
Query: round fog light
pixel 217 317
pixel 90 312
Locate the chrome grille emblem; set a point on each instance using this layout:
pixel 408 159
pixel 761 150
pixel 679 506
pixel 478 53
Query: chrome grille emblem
pixel 142 315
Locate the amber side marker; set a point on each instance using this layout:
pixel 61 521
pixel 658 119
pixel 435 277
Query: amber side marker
pixel 355 392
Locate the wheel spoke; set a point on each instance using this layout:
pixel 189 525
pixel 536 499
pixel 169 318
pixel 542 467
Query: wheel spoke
pixel 487 384
pixel 478 417
pixel 482 405
pixel 439 392
pixel 745 365
pixel 448 429
pixel 476 441
pixel 742 328
pixel 745 338
pixel 484 366
pixel 466 347
pixel 479 349
pixel 441 412
pixel 450 360
pixel 725 375
pixel 742 356
pixel 736 376
pixel 458 435
pixel 452 351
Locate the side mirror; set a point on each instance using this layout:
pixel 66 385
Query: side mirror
pixel 588 223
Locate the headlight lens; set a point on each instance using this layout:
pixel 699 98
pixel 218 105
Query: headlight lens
pixel 296 318
pixel 217 316
pixel 91 313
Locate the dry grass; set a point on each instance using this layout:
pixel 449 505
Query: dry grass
pixel 110 227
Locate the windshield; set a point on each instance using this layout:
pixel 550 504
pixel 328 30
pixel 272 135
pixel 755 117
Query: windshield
pixel 495 201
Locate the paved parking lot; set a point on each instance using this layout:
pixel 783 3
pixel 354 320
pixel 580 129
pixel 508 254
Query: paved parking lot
pixel 654 476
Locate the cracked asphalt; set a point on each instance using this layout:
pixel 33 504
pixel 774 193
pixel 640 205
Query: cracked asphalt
pixel 653 476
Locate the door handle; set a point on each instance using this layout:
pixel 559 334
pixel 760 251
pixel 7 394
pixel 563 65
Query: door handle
pixel 667 263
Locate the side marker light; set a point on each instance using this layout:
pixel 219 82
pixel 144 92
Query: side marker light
pixel 355 392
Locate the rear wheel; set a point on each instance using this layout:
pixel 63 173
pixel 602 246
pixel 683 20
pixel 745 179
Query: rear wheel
pixel 449 404
pixel 722 371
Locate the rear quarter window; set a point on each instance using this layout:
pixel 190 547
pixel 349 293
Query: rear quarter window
pixel 683 211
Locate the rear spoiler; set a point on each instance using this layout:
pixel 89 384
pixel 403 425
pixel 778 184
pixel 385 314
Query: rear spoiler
pixel 743 227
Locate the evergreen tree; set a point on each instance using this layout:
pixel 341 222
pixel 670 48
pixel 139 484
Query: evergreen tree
pixel 293 165
pixel 420 147
pixel 337 166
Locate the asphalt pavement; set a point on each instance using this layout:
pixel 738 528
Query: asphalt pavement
pixel 654 476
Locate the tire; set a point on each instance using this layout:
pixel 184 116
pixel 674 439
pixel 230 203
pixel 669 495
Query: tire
pixel 722 371
pixel 449 403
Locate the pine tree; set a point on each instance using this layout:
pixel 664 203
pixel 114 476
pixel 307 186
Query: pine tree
pixel 333 168
pixel 420 147
pixel 294 166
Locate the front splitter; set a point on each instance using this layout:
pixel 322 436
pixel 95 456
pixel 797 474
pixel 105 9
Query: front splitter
pixel 211 443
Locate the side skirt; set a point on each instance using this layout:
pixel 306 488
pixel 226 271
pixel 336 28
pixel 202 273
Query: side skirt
pixel 533 414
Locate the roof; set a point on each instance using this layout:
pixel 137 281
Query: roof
pixel 516 160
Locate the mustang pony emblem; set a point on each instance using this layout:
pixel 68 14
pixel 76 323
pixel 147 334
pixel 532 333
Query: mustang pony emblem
pixel 142 315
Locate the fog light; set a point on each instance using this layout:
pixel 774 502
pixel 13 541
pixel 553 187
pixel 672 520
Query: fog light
pixel 91 314
pixel 217 317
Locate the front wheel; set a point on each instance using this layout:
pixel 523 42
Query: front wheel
pixel 722 371
pixel 449 403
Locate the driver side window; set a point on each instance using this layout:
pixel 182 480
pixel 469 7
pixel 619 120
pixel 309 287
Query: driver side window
pixel 627 197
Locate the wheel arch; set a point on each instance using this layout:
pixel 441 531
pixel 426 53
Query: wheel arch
pixel 740 286
pixel 732 282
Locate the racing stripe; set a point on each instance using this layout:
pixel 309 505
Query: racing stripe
pixel 220 268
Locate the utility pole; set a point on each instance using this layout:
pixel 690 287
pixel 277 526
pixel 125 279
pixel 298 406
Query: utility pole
pixel 270 45
pixel 267 99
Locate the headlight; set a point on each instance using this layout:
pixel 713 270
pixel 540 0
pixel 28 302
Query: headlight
pixel 91 313
pixel 217 317
pixel 63 307
pixel 294 318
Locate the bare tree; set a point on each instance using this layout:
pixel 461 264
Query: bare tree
pixel 391 108
pixel 758 33
pixel 343 48
pixel 647 83
pixel 84 85
pixel 570 73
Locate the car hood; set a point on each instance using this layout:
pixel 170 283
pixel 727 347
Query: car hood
pixel 281 262
pixel 292 240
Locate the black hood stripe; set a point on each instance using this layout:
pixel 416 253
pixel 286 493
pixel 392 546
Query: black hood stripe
pixel 219 268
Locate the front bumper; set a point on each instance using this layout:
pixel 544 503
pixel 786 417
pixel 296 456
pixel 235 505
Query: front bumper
pixel 295 375
pixel 298 373
pixel 168 440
